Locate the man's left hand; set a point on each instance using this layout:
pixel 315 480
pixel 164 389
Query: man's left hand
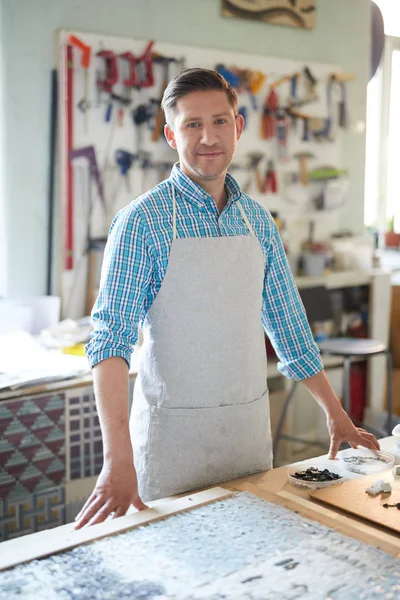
pixel 341 429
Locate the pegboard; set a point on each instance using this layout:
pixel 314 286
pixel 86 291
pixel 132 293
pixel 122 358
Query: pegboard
pixel 90 203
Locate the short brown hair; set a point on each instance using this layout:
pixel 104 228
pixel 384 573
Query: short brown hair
pixel 195 80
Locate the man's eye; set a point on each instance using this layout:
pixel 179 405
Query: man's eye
pixel 220 121
pixel 193 125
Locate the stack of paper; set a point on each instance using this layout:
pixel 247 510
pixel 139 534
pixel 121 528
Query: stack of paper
pixel 24 362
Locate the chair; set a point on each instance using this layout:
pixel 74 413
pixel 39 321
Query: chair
pixel 317 302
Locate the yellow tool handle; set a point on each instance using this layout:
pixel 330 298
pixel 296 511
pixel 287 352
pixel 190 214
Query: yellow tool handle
pixel 343 76
pixel 275 84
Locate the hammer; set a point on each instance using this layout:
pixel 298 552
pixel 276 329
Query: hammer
pixel 254 160
pixel 303 159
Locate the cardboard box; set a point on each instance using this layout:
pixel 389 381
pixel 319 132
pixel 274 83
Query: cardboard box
pixel 396 391
pixel 395 326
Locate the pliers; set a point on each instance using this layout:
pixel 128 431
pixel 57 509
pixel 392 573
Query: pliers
pixel 270 181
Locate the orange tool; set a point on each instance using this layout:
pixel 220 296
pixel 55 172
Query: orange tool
pixel 86 53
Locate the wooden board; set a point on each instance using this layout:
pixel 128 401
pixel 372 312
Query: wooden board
pixel 54 541
pixel 276 12
pixel 351 497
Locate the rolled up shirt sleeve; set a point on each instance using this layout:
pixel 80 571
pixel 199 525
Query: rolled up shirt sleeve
pixel 125 281
pixel 284 317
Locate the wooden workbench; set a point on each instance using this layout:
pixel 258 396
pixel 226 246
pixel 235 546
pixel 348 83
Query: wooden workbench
pixel 271 486
pixel 274 487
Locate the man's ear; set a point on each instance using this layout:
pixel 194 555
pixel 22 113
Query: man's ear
pixel 239 126
pixel 170 136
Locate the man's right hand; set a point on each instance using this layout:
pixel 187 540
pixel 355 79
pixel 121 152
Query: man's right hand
pixel 116 489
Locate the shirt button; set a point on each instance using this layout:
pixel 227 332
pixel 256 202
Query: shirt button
pixel 205 196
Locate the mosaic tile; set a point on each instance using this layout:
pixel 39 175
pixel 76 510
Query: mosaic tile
pixel 34 512
pixel 32 445
pixel 85 445
pixel 240 548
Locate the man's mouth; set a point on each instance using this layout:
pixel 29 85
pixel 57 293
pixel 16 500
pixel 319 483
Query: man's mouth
pixel 210 154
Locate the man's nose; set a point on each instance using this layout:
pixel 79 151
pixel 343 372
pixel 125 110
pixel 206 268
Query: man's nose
pixel 209 135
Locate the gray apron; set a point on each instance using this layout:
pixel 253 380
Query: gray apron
pixel 200 412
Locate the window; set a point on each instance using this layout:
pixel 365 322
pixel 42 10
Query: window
pixel 382 189
pixel 393 139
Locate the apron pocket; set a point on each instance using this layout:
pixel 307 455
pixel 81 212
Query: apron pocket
pixel 252 441
pixel 197 447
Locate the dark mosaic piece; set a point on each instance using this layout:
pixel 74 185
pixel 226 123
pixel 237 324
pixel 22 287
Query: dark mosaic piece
pixel 317 475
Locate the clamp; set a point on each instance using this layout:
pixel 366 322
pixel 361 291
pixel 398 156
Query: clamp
pixel 111 77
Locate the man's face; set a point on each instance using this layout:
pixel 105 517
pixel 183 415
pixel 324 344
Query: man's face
pixel 205 131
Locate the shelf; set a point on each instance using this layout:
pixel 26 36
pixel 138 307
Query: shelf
pixel 339 279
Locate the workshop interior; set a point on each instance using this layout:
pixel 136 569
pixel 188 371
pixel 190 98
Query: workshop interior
pixel 82 137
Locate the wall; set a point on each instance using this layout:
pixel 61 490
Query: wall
pixel 3 244
pixel 28 42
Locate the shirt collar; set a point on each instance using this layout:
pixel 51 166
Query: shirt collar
pixel 193 192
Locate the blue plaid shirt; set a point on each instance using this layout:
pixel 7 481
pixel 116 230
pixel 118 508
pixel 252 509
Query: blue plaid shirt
pixel 136 259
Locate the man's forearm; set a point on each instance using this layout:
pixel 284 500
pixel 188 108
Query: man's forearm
pixel 111 384
pixel 321 389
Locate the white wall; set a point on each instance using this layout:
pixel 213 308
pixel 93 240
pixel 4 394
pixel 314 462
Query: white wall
pixel 28 41
pixel 3 243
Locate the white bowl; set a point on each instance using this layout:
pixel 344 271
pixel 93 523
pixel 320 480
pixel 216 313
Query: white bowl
pixel 312 485
pixel 396 435
pixel 364 461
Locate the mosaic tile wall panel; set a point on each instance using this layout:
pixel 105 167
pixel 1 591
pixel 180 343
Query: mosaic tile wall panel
pixel 85 455
pixel 84 435
pixel 31 513
pixel 32 445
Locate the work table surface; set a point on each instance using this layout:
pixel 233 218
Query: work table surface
pixel 273 486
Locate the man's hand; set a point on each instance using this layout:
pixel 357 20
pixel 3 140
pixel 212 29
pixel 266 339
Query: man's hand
pixel 341 429
pixel 116 489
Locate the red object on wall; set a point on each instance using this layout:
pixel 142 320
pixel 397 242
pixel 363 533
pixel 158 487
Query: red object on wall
pixel 69 215
pixel 358 391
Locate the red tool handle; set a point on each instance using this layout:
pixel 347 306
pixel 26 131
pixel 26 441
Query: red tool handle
pixel 86 50
pixel 69 215
pixel 111 77
pixel 147 58
pixel 272 100
pixel 132 60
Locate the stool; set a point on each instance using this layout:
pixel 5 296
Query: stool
pixel 347 348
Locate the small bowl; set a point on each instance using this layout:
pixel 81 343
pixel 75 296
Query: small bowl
pixel 312 485
pixel 396 435
pixel 364 461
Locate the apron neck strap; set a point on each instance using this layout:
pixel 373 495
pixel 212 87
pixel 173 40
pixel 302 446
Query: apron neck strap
pixel 174 234
pixel 245 219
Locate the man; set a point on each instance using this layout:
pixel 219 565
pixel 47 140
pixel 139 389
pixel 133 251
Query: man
pixel 201 268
